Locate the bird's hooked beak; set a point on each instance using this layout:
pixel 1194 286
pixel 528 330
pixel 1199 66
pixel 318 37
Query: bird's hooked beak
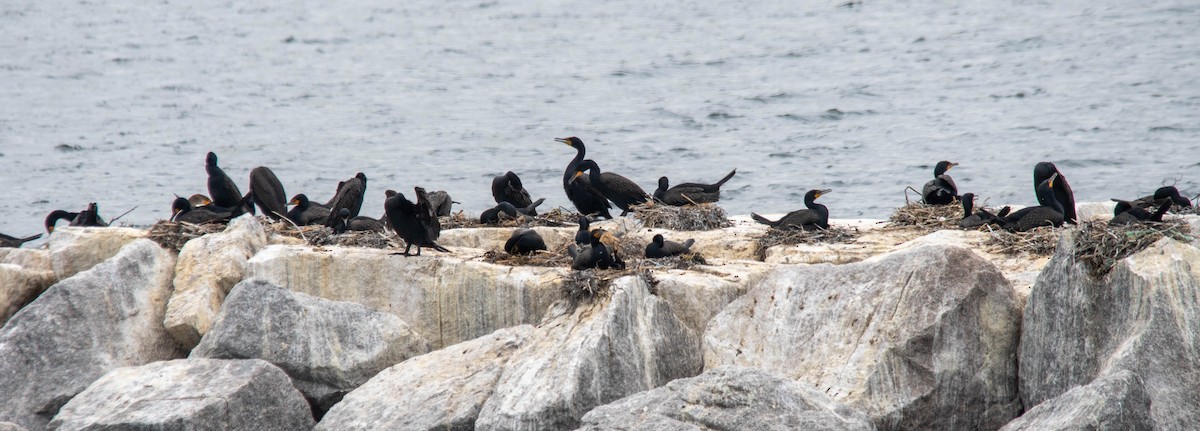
pixel 577 175
pixel 823 192
pixel 951 165
pixel 1052 178
pixel 565 141
pixel 294 202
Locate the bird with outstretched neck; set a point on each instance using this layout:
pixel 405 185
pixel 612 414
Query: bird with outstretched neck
pixel 587 199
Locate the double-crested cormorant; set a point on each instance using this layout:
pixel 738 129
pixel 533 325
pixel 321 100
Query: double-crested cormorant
pixel 495 214
pixel 56 215
pixel 416 223
pixel 813 218
pixel 1126 213
pixel 689 193
pixel 441 202
pixel 198 200
pixel 524 241
pixel 182 211
pixel 508 188
pixel 978 218
pixel 620 190
pixel 583 235
pixel 14 242
pixel 224 192
pixel 350 196
pixel 941 190
pixel 1049 213
pixel 594 255
pixel 1062 190
pixel 305 212
pixel 660 247
pixel 268 192
pixel 89 217
pixel 1163 194
pixel 587 199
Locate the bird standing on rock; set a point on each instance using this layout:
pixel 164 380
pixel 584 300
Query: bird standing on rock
pixel 416 224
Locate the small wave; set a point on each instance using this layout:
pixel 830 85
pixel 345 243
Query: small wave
pixel 1172 128
pixel 795 117
pixel 67 148
pixel 722 116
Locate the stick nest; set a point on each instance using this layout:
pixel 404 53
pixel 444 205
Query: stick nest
pixel 173 235
pixel 833 235
pixel 926 217
pixel 689 217
pixel 556 217
pixel 1035 242
pixel 1100 246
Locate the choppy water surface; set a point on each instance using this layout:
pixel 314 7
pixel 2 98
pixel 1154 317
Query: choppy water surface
pixel 118 101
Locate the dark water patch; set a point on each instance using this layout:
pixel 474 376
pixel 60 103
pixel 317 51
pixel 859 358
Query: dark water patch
pixel 181 88
pixel 1022 45
pixel 1020 94
pixel 796 117
pixel 68 148
pixel 1033 128
pixel 13 67
pixel 1171 128
pixel 630 73
pixel 1084 163
pixel 77 76
pixel 722 116
pixel 771 98
pixel 833 114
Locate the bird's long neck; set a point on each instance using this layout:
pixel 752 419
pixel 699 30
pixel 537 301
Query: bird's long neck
pixel 968 205
pixel 580 153
pixel 1046 197
pixel 811 203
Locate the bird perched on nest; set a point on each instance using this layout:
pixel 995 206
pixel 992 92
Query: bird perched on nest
pixel 350 195
pixel 508 188
pixel 524 241
pixel 182 211
pixel 89 217
pixel 305 212
pixel 659 247
pixel 941 190
pixel 978 218
pixel 1061 189
pixel 1168 193
pixel 1126 213
pixel 623 192
pixel 268 192
pixel 579 189
pixel 813 218
pixel 689 193
pixel 596 254
pixel 1049 213
pixel 416 223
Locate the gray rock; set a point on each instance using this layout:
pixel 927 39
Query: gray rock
pixel 190 394
pixel 327 347
pixel 1117 402
pixel 443 390
pixel 923 338
pixel 9 426
pixel 18 287
pixel 1143 317
pixel 727 398
pixel 37 259
pixel 107 317
pixel 75 249
pixel 206 270
pixel 589 355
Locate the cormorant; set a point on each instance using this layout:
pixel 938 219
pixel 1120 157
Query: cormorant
pixel 14 242
pixel 813 218
pixel 587 199
pixel 349 196
pixel 1126 213
pixel 89 217
pixel 583 235
pixel 508 188
pixel 305 212
pixel 620 190
pixel 594 255
pixel 416 223
pixel 689 193
pixel 494 215
pixel 524 241
pixel 182 211
pixel 441 202
pixel 1062 190
pixel 268 192
pixel 659 247
pixel 224 192
pixel 198 200
pixel 978 218
pixel 941 190
pixel 1163 193
pixel 1049 213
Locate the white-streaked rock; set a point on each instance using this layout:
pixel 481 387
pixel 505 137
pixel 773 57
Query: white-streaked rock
pixel 189 394
pixel 75 249
pixel 921 338
pixel 1116 402
pixel 207 268
pixel 327 347
pixel 727 398
pixel 591 354
pixel 107 317
pixel 443 390
pixel 699 294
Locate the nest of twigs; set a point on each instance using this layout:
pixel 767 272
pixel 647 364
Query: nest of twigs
pixel 320 235
pixel 1035 242
pixel 833 235
pixel 926 217
pixel 1100 246
pixel 556 257
pixel 173 235
pixel 556 217
pixel 688 217
pixel 591 284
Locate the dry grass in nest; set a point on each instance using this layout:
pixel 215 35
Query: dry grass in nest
pixel 317 235
pixel 833 235
pixel 690 217
pixel 173 235
pixel 1036 242
pixel 926 217
pixel 556 257
pixel 1100 246
pixel 592 284
pixel 556 217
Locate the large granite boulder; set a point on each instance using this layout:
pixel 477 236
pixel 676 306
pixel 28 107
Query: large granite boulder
pixel 327 347
pixel 924 338
pixel 207 268
pixel 82 327
pixel 189 394
pixel 443 390
pixel 696 297
pixel 1115 402
pixel 18 287
pixel 586 355
pixel 37 259
pixel 1144 316
pixel 727 398
pixel 446 299
pixel 75 249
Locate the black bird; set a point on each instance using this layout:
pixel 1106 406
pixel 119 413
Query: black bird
pixel 660 247
pixel 508 188
pixel 583 235
pixel 268 192
pixel 978 218
pixel 620 190
pixel 441 202
pixel 524 241
pixel 182 211
pixel 1126 213
pixel 1049 213
pixel 689 193
pixel 224 192
pixel 594 255
pixel 89 217
pixel 587 198
pixel 198 200
pixel 416 223
pixel 1062 190
pixel 56 215
pixel 813 218
pixel 350 196
pixel 1163 193
pixel 14 242
pixel 495 214
pixel 941 190
pixel 305 212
